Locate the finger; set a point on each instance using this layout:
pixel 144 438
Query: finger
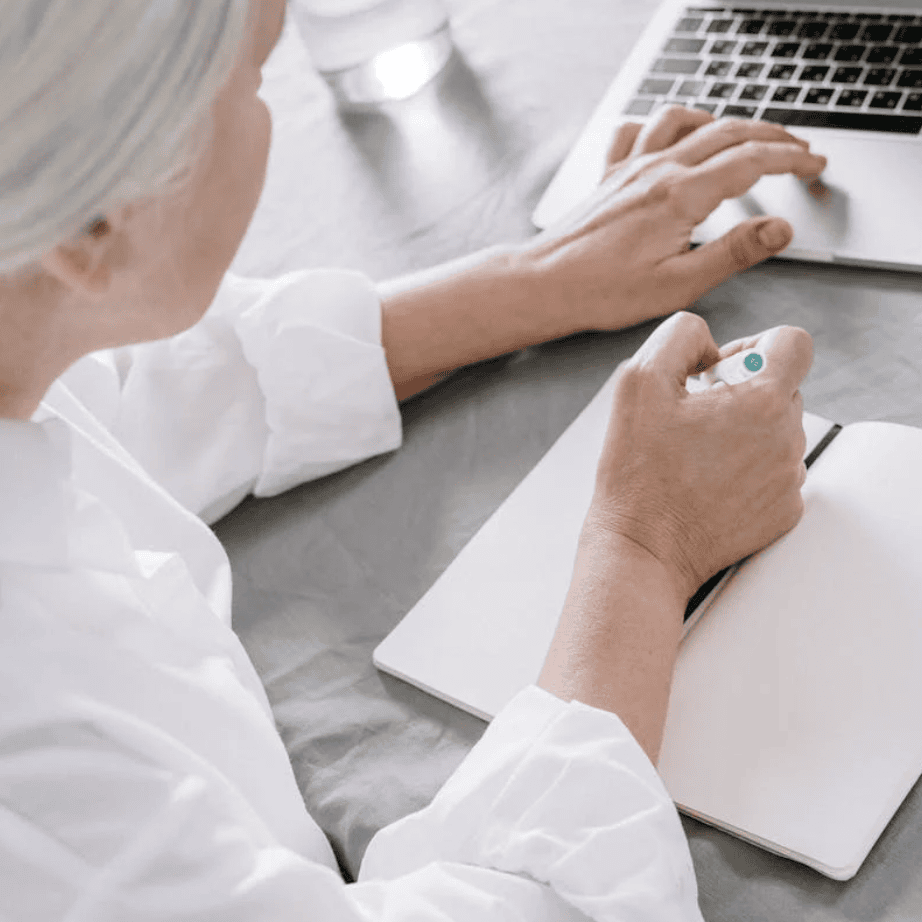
pixel 741 344
pixel 670 126
pixel 680 346
pixel 734 171
pixel 726 133
pixel 788 353
pixel 691 274
pixel 623 142
pixel 745 344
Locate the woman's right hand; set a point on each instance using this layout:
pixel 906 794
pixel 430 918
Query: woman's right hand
pixel 700 481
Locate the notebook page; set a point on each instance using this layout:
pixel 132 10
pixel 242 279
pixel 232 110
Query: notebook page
pixel 482 631
pixel 796 707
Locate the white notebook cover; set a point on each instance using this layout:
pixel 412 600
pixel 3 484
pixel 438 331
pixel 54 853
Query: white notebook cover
pixel 796 725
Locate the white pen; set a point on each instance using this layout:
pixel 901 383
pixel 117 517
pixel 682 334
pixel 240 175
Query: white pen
pixel 735 369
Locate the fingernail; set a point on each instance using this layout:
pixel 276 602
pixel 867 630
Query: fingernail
pixel 775 235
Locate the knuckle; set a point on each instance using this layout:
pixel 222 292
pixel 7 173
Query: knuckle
pixel 733 129
pixel 662 190
pixel 631 375
pixel 674 113
pixel 752 151
pixel 802 340
pixel 688 324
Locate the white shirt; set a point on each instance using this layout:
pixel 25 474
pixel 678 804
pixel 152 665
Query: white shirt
pixel 141 774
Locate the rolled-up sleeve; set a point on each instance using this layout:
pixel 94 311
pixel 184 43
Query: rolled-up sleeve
pixel 284 380
pixel 560 795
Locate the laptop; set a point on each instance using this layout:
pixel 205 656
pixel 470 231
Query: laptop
pixel 846 76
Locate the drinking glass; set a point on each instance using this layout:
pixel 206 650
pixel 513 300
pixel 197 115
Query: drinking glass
pixel 372 51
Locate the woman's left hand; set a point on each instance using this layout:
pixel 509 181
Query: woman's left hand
pixel 625 256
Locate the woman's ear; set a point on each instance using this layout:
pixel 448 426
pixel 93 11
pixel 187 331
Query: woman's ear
pixel 84 265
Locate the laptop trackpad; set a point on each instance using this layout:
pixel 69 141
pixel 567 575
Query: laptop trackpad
pixel 864 210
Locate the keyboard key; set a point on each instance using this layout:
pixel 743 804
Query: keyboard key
pixel 749 69
pixel 722 48
pixel 880 76
pixel 655 87
pixel 817 51
pixel 677 66
pixel 751 27
pixel 851 52
pixel 832 118
pixel 885 100
pixel 813 29
pixel 910 78
pixel 718 69
pixel 689 24
pixel 913 103
pixel 722 90
pixel 912 57
pixel 847 75
pixel 706 107
pixel 883 54
pixel 739 112
pixel 853 98
pixel 690 88
pixel 753 91
pixel 684 45
pixel 754 49
pixel 818 96
pixel 845 31
pixel 786 50
pixel 782 72
pixel 786 94
pixel 909 35
pixel 720 26
pixel 782 27
pixel 879 32
pixel 640 107
pixel 814 73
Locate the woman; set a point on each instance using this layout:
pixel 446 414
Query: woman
pixel 141 776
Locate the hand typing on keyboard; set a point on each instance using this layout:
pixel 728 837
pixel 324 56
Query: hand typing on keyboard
pixel 624 256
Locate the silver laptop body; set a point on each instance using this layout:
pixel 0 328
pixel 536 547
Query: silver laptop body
pixel 845 76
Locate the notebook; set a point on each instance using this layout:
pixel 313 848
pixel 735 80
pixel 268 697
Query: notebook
pixel 795 719
pixel 847 76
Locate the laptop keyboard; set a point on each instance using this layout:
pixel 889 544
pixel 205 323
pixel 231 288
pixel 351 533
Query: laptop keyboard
pixel 795 67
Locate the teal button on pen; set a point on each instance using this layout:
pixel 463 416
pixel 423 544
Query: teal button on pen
pixel 753 361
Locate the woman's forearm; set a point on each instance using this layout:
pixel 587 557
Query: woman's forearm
pixel 472 310
pixel 618 635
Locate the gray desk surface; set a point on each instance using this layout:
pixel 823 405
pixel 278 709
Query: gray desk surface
pixel 325 571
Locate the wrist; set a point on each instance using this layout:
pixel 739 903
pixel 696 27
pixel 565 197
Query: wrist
pixel 488 305
pixel 602 530
pixel 557 308
pixel 618 634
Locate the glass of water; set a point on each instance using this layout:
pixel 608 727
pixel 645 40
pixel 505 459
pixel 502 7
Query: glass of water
pixel 372 51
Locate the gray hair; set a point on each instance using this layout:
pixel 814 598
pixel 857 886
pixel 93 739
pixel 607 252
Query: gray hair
pixel 102 102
